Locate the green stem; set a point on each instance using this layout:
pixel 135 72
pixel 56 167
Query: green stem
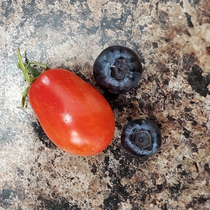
pixel 38 64
pixel 28 69
pixel 25 94
pixel 24 69
pixel 34 72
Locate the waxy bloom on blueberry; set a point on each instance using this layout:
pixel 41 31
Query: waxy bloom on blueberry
pixel 141 138
pixel 117 69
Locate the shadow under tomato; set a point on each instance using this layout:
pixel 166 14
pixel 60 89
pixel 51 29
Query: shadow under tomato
pixel 42 136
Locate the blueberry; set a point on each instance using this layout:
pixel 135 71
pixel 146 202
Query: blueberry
pixel 117 69
pixel 141 138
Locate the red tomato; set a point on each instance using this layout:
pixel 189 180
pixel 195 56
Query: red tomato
pixel 73 114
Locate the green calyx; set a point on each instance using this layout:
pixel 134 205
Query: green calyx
pixel 30 73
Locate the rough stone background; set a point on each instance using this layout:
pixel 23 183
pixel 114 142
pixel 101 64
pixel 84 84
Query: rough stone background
pixel 172 39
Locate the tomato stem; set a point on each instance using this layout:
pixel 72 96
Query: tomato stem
pixel 21 65
pixel 28 69
pixel 33 71
pixel 24 96
pixel 38 64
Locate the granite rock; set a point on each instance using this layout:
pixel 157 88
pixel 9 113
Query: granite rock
pixel 172 40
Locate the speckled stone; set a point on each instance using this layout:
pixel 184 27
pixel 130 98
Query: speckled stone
pixel 172 40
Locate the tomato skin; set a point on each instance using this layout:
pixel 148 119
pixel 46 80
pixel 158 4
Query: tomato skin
pixel 72 113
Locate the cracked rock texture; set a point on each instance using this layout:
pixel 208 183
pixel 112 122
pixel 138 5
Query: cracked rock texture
pixel 172 40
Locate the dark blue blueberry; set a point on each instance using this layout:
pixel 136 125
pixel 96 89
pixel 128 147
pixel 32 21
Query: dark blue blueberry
pixel 117 69
pixel 141 138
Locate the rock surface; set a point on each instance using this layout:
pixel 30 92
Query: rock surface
pixel 172 39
